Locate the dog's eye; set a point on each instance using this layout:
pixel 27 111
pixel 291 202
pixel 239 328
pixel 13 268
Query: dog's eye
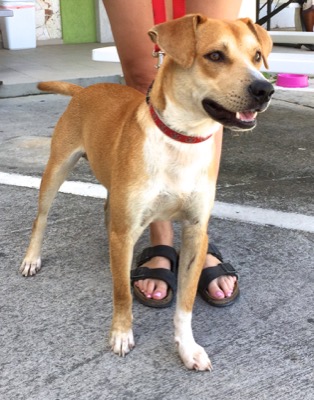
pixel 258 56
pixel 214 56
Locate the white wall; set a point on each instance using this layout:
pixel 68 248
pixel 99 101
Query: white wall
pixel 48 20
pixel 104 34
pixel 287 18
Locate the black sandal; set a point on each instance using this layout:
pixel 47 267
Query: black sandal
pixel 211 273
pixel 169 276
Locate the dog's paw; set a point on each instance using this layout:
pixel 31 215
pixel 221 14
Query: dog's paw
pixel 122 342
pixel 195 357
pixel 30 267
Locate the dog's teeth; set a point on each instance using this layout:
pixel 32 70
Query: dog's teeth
pixel 246 116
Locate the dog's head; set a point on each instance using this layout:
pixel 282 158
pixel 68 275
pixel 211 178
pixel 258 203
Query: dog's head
pixel 222 59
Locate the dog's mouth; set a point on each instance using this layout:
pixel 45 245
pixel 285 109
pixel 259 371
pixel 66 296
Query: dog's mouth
pixel 241 120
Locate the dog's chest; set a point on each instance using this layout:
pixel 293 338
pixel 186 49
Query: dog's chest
pixel 175 168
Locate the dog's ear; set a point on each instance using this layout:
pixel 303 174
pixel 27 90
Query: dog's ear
pixel 262 36
pixel 177 38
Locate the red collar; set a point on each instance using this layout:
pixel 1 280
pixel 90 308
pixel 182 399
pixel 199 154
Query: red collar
pixel 173 134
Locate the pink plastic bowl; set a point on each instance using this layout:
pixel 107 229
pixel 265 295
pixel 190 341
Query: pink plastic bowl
pixel 292 80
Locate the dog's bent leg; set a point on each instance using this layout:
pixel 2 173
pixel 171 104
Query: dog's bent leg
pixel 57 170
pixel 192 257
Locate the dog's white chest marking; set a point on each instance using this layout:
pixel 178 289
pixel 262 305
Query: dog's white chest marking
pixel 179 175
pixel 175 167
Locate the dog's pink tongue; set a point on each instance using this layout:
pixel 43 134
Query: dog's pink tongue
pixel 246 116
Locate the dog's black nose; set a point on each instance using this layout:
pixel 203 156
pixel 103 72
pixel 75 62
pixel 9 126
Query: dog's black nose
pixel 261 90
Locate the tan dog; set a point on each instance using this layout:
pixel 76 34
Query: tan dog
pixel 209 77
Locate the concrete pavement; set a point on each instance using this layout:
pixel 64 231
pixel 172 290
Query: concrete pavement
pixel 54 326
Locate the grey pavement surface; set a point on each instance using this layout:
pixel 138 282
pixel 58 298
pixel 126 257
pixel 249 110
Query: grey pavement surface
pixel 54 326
pixel 21 70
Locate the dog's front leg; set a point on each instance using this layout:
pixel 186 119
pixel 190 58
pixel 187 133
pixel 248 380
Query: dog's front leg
pixel 121 251
pixel 192 257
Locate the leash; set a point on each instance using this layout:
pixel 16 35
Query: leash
pixel 160 16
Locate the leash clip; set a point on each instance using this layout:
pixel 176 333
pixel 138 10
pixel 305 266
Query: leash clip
pixel 160 57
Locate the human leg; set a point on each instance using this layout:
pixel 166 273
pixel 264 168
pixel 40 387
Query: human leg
pixel 223 286
pixel 222 9
pixel 130 22
pixel 308 18
pixel 135 49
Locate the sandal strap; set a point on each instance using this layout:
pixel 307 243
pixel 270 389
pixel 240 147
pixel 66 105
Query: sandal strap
pixel 211 273
pixel 214 251
pixel 141 273
pixel 158 251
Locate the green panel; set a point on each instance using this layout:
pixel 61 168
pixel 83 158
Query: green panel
pixel 78 21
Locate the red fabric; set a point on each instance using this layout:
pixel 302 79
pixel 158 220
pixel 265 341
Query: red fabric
pixel 178 8
pixel 159 10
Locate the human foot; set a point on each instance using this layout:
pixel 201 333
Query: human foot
pixel 155 288
pixel 154 278
pixel 218 285
pixel 220 288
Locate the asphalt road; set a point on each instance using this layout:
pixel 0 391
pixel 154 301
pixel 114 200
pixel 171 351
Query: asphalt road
pixel 54 326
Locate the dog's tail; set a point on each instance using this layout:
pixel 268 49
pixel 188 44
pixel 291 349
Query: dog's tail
pixel 68 89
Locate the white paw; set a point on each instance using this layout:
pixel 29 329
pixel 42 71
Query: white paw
pixel 30 267
pixel 122 342
pixel 195 357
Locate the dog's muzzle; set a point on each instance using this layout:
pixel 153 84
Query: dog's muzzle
pixel 260 93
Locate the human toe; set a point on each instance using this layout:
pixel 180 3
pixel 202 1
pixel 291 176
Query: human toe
pixel 221 287
pixel 152 288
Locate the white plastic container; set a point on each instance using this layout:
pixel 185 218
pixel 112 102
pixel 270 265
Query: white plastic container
pixel 19 31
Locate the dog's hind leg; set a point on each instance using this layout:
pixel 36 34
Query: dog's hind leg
pixel 192 257
pixel 63 158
